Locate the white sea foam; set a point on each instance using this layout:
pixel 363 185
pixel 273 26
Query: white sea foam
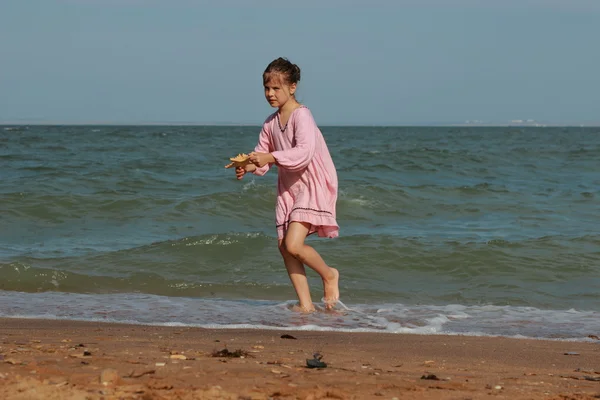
pixel 487 320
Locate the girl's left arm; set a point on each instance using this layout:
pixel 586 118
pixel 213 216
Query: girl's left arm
pixel 305 133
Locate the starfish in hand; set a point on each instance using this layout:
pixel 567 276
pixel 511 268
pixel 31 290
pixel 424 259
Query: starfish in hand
pixel 241 160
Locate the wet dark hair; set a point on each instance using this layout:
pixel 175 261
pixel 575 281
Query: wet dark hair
pixel 289 72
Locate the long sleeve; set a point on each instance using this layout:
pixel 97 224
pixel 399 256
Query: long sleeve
pixel 263 146
pixel 305 134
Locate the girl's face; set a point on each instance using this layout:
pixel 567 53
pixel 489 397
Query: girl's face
pixel 277 92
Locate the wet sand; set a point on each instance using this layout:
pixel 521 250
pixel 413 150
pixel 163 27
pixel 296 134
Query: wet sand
pixel 66 360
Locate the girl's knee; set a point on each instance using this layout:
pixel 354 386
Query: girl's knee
pixel 286 253
pixel 292 248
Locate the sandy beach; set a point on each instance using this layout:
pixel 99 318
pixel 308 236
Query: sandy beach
pixel 42 359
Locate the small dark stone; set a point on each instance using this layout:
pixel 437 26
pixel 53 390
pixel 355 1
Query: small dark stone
pixel 286 336
pixel 430 377
pixel 314 363
pixel 87 353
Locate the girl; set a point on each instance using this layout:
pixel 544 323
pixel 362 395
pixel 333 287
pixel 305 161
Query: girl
pixel 307 182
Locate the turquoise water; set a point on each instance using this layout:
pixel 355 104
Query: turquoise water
pixel 443 229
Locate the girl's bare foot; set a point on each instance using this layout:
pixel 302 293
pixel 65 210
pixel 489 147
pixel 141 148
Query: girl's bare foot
pixel 331 289
pixel 304 309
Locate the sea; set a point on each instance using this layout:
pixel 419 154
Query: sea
pixel 490 231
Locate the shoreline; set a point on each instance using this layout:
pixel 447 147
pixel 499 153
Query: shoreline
pixel 65 359
pixel 590 338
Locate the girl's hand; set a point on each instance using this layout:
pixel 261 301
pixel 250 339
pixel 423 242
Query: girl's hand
pixel 241 171
pixel 261 159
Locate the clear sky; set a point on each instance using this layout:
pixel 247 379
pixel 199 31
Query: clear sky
pixel 381 62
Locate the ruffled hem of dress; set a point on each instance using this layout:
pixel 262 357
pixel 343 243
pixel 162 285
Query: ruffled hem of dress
pixel 322 225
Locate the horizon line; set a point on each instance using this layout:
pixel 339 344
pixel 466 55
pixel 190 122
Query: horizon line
pixel 535 124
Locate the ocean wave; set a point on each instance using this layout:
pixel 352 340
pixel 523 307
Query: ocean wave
pixel 536 272
pixel 135 278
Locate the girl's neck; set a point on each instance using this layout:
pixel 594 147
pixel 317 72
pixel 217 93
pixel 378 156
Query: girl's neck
pixel 288 107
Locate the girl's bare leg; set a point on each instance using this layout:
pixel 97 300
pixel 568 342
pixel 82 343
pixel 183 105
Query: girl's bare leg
pixel 305 254
pixel 297 275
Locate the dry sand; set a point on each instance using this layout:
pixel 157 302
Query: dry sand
pixel 68 360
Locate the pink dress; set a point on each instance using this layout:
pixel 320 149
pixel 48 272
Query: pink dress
pixel 307 185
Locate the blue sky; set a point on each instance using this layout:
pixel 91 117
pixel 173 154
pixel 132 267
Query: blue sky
pixel 378 62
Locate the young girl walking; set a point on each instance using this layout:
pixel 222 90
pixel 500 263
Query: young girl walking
pixel 307 181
